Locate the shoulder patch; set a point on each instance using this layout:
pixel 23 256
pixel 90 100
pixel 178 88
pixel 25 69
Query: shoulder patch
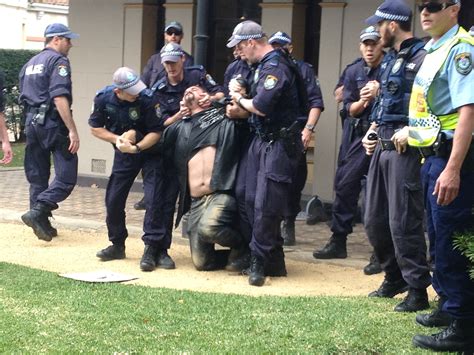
pixel 396 67
pixel 463 63
pixel 63 70
pixel 270 82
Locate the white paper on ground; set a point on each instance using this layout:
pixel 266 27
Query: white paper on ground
pixel 99 276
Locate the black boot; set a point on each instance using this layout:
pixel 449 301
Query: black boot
pixel 148 261
pixel 416 300
pixel 288 231
pixel 239 259
pixel 37 218
pixel 459 336
pixel 275 265
pixel 257 271
pixel 112 252
pixel 53 231
pixel 373 267
pixel 164 261
pixel 334 249
pixel 390 288
pixel 140 205
pixel 437 318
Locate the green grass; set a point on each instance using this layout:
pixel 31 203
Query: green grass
pixel 41 312
pixel 18 156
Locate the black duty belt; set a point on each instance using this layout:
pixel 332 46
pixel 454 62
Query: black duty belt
pixel 386 144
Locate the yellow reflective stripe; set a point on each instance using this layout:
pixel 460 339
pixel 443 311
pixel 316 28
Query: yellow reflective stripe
pixel 449 121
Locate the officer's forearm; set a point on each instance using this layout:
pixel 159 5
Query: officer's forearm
pixel 64 110
pixel 104 134
pixel 313 116
pixel 462 138
pixel 356 108
pixel 247 104
pixel 3 128
pixel 217 96
pixel 149 140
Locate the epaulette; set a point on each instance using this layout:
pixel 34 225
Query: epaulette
pixel 194 67
pixel 159 85
pixel 105 90
pixel 147 92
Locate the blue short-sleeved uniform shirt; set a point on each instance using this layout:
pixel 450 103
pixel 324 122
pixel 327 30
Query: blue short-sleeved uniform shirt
pixel 120 116
pixel 453 85
pixel 46 76
pixel 234 69
pixel 315 96
pixel 340 82
pixel 167 97
pixel 155 71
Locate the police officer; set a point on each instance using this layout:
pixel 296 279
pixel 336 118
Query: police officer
pixel 308 124
pixel 167 94
pixel 394 201
pixel 154 69
pixel 353 163
pixel 6 147
pixel 124 116
pixel 46 92
pixel 441 127
pixel 276 147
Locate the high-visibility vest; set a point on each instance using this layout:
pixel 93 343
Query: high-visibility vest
pixel 424 125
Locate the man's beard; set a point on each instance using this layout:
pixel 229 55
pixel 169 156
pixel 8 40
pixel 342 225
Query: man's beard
pixel 189 99
pixel 388 39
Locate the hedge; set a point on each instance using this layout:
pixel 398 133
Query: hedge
pixel 465 244
pixel 11 62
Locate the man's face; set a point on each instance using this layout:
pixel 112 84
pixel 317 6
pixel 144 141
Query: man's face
pixel 192 95
pixel 388 39
pixel 371 51
pixel 247 50
pixel 174 69
pixel 173 35
pixel 63 45
pixel 436 17
pixel 124 96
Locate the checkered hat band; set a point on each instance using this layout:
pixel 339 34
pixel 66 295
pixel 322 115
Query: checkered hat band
pixel 59 34
pixel 281 38
pixel 171 54
pixel 129 84
pixel 245 37
pixel 391 17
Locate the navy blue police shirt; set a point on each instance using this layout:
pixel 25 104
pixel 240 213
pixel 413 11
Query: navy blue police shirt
pixel 340 82
pixel 237 68
pixel 155 71
pixel 275 93
pixel 313 90
pixel 47 75
pixel 356 77
pixel 167 97
pixel 119 116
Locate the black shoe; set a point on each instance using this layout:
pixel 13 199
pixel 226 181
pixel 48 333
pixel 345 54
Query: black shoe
pixel 112 252
pixel 37 218
pixel 239 259
pixel 140 205
pixel 257 271
pixel 275 265
pixel 390 289
pixel 148 260
pixel 416 300
pixel 288 231
pixel 164 261
pixel 459 336
pixel 435 319
pixel 373 267
pixel 334 249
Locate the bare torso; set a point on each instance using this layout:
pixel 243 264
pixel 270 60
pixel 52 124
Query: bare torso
pixel 200 171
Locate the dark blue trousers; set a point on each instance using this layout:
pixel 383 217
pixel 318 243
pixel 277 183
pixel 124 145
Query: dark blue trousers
pixel 353 165
pixel 451 278
pixel 394 214
pixel 41 143
pixel 296 188
pixel 269 174
pixel 124 171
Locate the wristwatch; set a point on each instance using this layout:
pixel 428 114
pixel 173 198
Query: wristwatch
pixel 138 148
pixel 310 127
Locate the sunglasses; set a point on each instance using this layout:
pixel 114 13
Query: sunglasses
pixel 433 7
pixel 173 32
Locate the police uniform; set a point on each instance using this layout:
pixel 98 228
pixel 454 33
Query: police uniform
pixel 443 85
pixel 154 70
pixel 238 68
pixel 44 77
pixel 394 202
pixel 119 116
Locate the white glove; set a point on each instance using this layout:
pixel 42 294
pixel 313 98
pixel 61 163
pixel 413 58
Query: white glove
pixel 369 144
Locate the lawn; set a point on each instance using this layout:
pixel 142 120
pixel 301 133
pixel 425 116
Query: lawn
pixel 18 156
pixel 41 312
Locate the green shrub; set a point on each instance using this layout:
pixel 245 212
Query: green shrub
pixel 465 244
pixel 11 62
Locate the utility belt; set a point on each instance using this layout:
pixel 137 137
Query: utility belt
pixel 272 134
pixel 358 127
pixel 40 112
